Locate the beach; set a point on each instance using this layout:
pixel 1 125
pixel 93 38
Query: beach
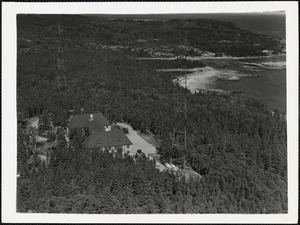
pixel 224 70
pixel 204 78
pixel 261 78
pixel 199 79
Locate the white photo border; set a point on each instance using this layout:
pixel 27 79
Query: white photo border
pixel 9 122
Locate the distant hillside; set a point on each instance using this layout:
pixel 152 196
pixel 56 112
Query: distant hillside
pixel 205 35
pixel 268 23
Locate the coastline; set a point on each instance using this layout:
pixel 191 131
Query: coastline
pixel 181 70
pixel 195 58
pixel 266 85
pixel 199 79
pixel 206 77
pixel 233 57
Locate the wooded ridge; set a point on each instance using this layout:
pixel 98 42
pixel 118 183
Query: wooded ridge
pixel 234 142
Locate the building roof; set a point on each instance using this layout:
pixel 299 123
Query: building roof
pixel 95 126
pixel 100 139
pixel 83 121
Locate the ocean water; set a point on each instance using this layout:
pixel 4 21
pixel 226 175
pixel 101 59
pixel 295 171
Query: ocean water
pixel 269 88
pixel 267 80
pixel 268 23
pixel 270 84
pixel 271 23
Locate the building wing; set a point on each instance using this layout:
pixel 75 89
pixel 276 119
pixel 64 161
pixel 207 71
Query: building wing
pixel 102 139
pixel 84 121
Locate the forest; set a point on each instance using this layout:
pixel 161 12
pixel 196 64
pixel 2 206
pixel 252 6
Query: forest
pixel 206 35
pixel 234 142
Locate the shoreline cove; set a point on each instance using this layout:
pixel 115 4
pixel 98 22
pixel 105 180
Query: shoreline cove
pixel 262 79
pixel 203 78
pixel 195 58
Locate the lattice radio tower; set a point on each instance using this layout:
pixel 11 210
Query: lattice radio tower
pixel 61 78
pixel 181 107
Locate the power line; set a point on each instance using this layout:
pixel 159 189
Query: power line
pixel 181 107
pixel 61 78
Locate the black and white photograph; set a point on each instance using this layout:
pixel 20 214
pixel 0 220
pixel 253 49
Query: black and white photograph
pixel 180 111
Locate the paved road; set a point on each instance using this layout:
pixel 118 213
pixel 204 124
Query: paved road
pixel 139 143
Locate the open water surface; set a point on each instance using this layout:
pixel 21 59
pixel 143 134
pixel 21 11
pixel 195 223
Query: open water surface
pixel 267 84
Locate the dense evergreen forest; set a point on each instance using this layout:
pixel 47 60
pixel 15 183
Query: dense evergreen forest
pixel 234 142
pixel 203 34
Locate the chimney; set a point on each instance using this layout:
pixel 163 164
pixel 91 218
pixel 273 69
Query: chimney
pixel 91 117
pixel 108 128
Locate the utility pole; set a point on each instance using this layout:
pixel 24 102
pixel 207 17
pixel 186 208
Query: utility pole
pixel 61 78
pixel 182 108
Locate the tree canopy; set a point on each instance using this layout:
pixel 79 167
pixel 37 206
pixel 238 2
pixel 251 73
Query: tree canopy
pixel 233 141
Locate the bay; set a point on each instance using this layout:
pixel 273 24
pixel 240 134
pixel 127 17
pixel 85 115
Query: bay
pixel 269 88
pixel 265 85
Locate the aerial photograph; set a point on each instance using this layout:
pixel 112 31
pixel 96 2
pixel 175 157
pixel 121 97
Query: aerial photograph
pixel 151 113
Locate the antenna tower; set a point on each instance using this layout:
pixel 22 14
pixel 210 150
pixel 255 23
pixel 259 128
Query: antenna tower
pixel 61 78
pixel 181 107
